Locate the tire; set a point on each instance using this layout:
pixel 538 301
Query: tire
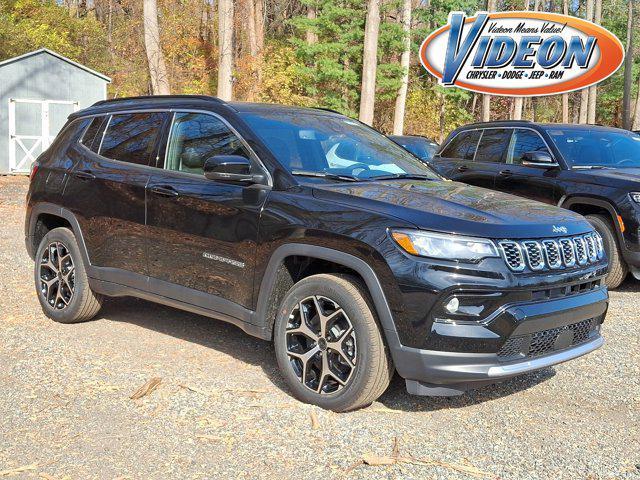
pixel 355 378
pixel 617 267
pixel 68 298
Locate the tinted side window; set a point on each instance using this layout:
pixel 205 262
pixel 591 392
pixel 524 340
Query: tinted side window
pixel 524 141
pixel 463 146
pixel 195 137
pixel 493 145
pixel 132 137
pixel 93 134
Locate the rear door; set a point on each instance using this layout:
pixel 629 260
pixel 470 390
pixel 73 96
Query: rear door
pixel 457 156
pixel 489 158
pixel 203 233
pixel 535 183
pixel 106 189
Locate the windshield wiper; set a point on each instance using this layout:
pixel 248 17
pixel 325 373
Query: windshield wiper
pixel 332 176
pixel 411 176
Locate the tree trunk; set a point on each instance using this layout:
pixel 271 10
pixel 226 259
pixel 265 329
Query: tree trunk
pixel 636 118
pixel 401 99
pixel 251 28
pixel 259 16
pixel 628 67
pixel 565 96
pixel 370 62
pixel 486 99
pixel 155 57
pixel 312 36
pixel 584 93
pixel 225 57
pixel 593 90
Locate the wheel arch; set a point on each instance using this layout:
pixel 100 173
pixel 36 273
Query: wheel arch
pixel 42 213
pixel 277 280
pixel 589 206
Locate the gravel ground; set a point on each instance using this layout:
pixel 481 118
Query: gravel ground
pixel 222 410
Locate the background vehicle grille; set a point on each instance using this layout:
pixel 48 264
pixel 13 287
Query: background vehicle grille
pixel 552 254
pixel 543 342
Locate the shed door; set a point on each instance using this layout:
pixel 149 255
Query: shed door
pixel 33 124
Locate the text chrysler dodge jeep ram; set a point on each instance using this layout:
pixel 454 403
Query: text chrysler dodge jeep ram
pixel 589 169
pixel 312 230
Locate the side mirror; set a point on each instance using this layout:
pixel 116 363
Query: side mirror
pixel 538 159
pixel 230 168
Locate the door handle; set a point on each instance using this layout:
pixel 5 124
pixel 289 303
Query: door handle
pixel 84 175
pixel 164 191
pixel 463 168
pixel 506 173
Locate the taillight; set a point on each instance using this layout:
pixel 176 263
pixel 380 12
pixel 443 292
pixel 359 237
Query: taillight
pixel 34 170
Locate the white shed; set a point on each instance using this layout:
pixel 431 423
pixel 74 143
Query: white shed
pixel 38 90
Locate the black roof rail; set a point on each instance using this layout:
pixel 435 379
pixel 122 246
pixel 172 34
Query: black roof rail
pixel 159 97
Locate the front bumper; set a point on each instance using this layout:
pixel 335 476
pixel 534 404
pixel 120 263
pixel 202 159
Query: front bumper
pixel 556 324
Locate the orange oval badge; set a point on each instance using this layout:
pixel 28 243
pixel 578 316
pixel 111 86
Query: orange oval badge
pixel 520 53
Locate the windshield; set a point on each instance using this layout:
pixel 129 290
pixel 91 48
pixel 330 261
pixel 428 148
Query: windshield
pixel 315 144
pixel 585 148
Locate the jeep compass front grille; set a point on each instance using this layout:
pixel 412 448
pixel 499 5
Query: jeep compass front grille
pixel 537 255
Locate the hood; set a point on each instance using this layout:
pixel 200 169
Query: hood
pixel 614 177
pixel 453 207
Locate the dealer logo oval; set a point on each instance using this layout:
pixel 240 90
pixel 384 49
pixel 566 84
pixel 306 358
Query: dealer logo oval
pixel 520 53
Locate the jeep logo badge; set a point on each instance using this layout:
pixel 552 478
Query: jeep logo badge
pixel 557 229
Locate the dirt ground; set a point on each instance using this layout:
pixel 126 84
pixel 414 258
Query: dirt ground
pixel 221 409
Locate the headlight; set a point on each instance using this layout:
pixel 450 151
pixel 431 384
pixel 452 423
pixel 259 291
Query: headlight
pixel 443 246
pixel 635 196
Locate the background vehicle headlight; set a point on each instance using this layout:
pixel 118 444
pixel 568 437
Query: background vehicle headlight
pixel 635 196
pixel 444 246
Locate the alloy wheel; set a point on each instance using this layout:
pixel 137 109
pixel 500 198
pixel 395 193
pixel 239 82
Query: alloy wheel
pixel 57 275
pixel 321 344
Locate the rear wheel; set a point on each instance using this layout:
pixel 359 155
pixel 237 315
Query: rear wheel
pixel 61 281
pixel 617 267
pixel 328 344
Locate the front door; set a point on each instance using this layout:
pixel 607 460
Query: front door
pixel 531 182
pixel 203 233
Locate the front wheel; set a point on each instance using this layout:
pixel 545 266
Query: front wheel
pixel 617 267
pixel 328 344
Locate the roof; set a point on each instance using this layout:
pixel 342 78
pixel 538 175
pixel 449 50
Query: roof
pixel 147 102
pixel 274 108
pixel 58 56
pixel 190 101
pixel 542 125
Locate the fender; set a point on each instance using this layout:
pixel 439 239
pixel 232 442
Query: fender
pixel 322 253
pixel 568 202
pixel 57 210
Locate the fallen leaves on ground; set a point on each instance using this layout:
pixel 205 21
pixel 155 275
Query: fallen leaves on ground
pixel 147 388
pixel 315 423
pixel 396 458
pixel 17 470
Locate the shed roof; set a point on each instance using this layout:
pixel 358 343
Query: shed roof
pixel 57 55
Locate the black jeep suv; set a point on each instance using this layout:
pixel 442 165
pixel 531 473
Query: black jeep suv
pixel 312 230
pixel 589 169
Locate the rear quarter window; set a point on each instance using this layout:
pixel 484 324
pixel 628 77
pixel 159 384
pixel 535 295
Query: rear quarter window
pixel 93 134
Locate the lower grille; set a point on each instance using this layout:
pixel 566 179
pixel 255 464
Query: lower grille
pixel 541 343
